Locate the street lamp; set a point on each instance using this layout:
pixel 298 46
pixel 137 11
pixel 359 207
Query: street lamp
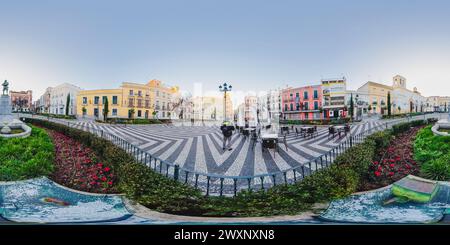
pixel 225 88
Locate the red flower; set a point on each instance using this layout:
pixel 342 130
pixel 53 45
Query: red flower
pixel 100 165
pixel 106 169
pixel 391 165
pixel 104 179
pixel 377 173
pixel 375 163
pixel 110 183
pixel 391 173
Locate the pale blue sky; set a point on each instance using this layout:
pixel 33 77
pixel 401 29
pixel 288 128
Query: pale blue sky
pixel 251 44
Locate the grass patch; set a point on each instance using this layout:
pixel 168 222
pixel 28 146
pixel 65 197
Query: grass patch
pixel 24 158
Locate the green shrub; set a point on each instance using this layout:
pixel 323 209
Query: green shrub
pixel 433 152
pixel 437 169
pixel 58 116
pixel 332 121
pixel 26 158
pixel 427 146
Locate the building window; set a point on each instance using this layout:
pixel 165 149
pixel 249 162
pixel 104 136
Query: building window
pixel 291 96
pixel 316 94
pixel 298 106
pixel 139 113
pixel 292 107
pixel 131 102
pixel 104 98
pixel 131 92
pixel 114 112
pixel 84 100
pixel 147 103
pixel 306 106
pixel 285 107
pixel 306 115
pixel 297 95
pixel 96 112
pixel 139 93
pixel 114 100
pixel 305 95
pixel 316 105
pixel 96 100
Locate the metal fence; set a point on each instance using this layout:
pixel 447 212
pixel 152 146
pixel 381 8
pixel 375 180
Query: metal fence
pixel 213 184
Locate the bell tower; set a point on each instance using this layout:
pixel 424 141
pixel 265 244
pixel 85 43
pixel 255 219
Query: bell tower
pixel 399 81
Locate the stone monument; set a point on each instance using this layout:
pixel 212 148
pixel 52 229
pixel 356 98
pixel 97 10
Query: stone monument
pixel 7 121
pixel 442 124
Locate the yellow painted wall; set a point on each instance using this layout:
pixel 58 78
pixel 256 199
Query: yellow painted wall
pixel 124 97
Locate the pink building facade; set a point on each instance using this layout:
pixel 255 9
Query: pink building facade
pixel 303 103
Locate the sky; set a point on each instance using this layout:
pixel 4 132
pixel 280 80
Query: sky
pixel 253 45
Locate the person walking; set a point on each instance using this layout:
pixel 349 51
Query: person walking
pixel 227 131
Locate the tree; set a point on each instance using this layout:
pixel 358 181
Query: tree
pixel 389 103
pixel 131 113
pixel 154 113
pixel 105 109
pixel 67 104
pixel 369 108
pixel 352 107
pixel 83 110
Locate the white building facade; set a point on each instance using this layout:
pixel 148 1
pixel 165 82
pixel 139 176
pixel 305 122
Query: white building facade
pixel 59 96
pixel 405 100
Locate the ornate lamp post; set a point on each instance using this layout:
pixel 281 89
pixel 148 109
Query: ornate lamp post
pixel 225 88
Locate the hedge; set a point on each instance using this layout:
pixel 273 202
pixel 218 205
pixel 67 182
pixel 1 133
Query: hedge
pixel 316 122
pixel 405 126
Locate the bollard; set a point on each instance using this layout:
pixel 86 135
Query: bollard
pixel 176 171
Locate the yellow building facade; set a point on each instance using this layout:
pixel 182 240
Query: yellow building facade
pixel 131 100
pixel 375 94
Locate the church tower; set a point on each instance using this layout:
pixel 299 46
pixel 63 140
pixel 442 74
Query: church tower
pixel 399 81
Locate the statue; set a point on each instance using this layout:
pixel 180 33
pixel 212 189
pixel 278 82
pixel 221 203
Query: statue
pixel 5 87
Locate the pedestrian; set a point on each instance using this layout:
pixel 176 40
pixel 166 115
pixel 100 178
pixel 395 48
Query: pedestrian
pixel 227 131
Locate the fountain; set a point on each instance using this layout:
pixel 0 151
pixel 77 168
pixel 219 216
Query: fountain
pixel 9 126
pixel 442 124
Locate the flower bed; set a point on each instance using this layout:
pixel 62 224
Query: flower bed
pixel 394 162
pixel 78 167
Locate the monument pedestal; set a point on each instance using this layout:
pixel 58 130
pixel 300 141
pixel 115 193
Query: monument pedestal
pixel 8 122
